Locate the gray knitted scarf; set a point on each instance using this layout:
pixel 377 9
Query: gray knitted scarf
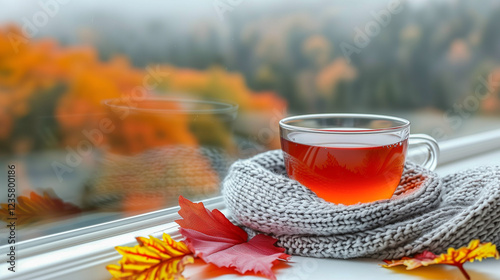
pixel 426 212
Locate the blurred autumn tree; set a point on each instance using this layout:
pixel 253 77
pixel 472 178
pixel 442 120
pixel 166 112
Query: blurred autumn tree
pixel 50 93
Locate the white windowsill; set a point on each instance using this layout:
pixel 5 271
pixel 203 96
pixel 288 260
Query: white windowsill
pixel 84 253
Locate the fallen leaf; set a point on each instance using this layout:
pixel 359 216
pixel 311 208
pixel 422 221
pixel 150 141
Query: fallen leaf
pixel 454 257
pixel 213 238
pixel 152 259
pixel 36 207
pixel 418 260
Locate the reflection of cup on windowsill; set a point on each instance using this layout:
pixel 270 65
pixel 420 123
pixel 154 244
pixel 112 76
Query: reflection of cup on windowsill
pixel 158 122
pixel 161 148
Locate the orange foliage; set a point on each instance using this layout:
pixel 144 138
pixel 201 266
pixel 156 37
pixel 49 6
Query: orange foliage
pixel 216 83
pixel 154 129
pixel 38 67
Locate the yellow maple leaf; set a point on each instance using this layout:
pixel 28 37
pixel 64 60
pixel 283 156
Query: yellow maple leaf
pixel 454 257
pixel 152 259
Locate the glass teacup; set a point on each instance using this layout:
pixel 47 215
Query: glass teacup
pixel 350 158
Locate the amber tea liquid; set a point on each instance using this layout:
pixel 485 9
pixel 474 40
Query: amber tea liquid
pixel 342 170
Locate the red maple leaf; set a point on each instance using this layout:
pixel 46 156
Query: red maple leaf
pixel 216 240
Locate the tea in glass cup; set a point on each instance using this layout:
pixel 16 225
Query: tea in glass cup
pixel 349 158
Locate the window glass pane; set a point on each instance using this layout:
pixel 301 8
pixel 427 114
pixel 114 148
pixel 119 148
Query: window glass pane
pixel 115 108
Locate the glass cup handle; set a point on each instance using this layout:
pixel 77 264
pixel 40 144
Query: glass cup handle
pixel 423 150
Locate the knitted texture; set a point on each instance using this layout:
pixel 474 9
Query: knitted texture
pixel 161 173
pixel 425 213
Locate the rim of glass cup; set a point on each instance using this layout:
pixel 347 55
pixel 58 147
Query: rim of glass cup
pixel 226 107
pixel 283 123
